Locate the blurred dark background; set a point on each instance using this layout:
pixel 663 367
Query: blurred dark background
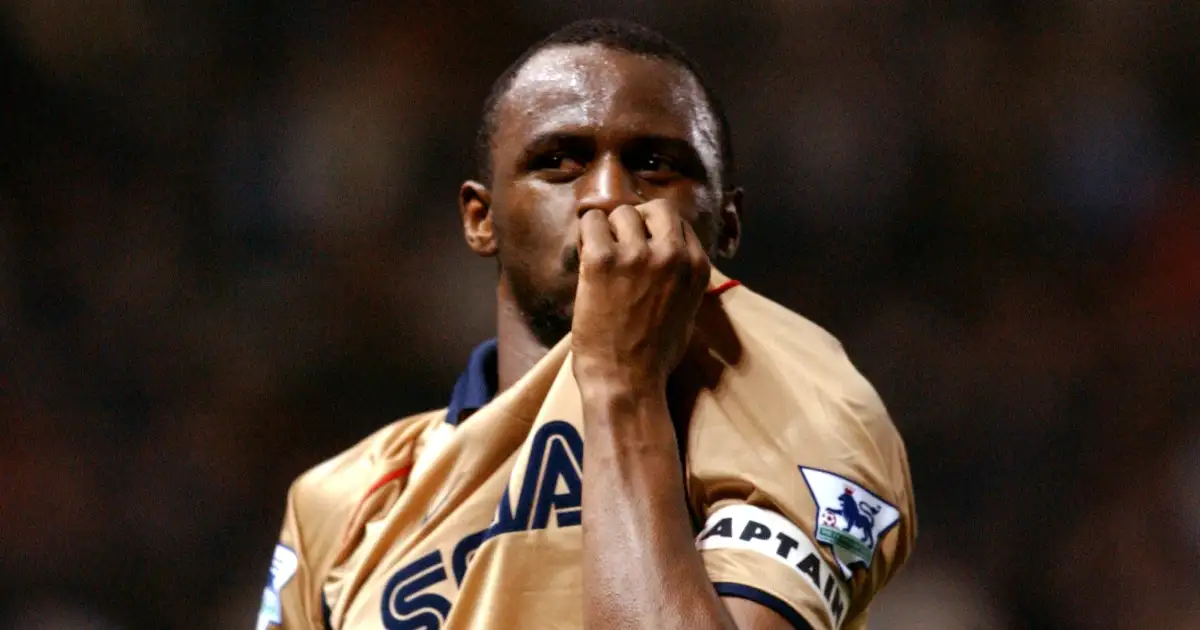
pixel 229 248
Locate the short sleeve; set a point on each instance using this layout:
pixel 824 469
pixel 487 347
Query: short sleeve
pixel 804 491
pixel 324 505
pixel 756 554
pixel 291 597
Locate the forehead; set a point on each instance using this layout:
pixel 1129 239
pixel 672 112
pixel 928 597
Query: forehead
pixel 593 89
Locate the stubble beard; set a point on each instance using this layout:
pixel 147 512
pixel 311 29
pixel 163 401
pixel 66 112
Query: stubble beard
pixel 548 311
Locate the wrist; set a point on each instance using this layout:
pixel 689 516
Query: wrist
pixel 604 379
pixel 624 421
pixel 622 396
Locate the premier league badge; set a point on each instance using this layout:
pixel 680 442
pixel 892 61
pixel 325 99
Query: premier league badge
pixel 850 519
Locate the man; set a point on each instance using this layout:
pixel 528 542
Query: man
pixel 739 472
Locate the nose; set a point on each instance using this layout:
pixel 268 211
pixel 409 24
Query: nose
pixel 606 186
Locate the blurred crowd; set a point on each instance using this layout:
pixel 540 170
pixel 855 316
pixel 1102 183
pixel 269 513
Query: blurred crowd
pixel 229 248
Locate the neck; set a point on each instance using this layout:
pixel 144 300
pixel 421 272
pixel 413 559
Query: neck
pixel 517 350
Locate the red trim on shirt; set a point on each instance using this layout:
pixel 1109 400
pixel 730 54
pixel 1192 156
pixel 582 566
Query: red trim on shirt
pixel 723 287
pixel 379 483
pixel 391 476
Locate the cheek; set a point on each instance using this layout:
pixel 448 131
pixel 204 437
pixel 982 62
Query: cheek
pixel 694 202
pixel 700 206
pixel 705 200
pixel 537 225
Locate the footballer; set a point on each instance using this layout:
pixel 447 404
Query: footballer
pixel 645 443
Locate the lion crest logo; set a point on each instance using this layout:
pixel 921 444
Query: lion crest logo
pixel 859 515
pixel 850 519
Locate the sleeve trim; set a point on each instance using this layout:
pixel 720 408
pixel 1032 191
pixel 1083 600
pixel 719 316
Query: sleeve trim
pixel 768 534
pixel 782 608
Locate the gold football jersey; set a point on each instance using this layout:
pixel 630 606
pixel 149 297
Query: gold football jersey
pixel 469 518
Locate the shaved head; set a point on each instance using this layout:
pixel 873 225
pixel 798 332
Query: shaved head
pixel 617 35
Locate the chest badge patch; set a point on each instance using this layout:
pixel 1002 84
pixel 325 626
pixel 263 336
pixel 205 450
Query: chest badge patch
pixel 850 519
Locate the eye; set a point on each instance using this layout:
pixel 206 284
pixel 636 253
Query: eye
pixel 653 165
pixel 557 161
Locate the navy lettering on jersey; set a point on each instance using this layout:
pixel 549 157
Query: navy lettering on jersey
pixel 405 606
pixel 463 552
pixel 552 484
pixel 551 488
pixel 560 491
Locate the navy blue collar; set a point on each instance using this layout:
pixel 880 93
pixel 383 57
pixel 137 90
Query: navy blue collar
pixel 476 385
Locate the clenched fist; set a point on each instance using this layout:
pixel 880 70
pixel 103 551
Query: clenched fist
pixel 642 275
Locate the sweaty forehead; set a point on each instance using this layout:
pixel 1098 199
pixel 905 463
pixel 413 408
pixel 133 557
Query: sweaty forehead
pixel 598 90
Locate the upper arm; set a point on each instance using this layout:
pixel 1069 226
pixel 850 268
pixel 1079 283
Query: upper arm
pixel 806 529
pixel 291 597
pixel 755 554
pixel 320 506
pixel 323 505
pixel 751 615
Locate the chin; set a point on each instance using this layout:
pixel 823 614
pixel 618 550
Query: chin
pixel 550 327
pixel 547 302
pixel 570 261
pixel 548 312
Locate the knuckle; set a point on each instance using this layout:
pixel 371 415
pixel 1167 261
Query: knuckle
pixel 665 216
pixel 626 212
pixel 636 255
pixel 592 215
pixel 653 209
pixel 598 257
pixel 681 253
pixel 656 206
pixel 669 256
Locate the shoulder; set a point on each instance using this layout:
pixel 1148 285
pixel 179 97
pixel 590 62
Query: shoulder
pixel 323 499
pixel 804 433
pixel 810 361
pixel 820 404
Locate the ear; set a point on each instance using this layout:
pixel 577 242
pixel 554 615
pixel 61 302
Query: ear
pixel 730 235
pixel 475 208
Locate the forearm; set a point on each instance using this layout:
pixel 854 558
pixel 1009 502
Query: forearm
pixel 641 567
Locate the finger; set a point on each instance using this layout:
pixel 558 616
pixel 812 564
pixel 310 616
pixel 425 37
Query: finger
pixel 596 244
pixel 664 225
pixel 628 226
